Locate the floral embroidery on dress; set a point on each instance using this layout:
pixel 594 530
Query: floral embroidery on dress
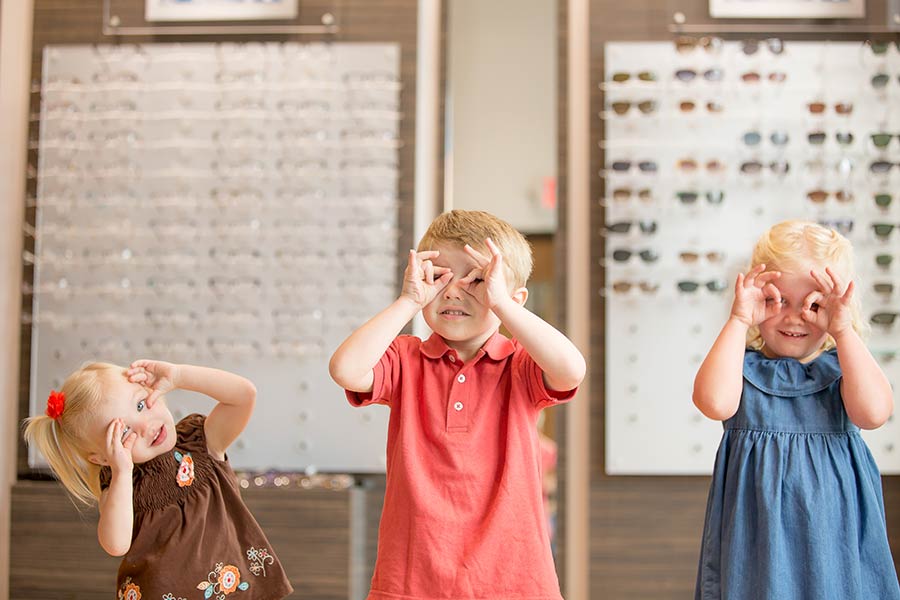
pixel 129 591
pixel 221 581
pixel 259 558
pixel 172 597
pixel 185 475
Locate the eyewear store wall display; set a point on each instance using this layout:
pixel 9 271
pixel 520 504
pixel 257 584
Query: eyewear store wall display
pixel 734 136
pixel 220 204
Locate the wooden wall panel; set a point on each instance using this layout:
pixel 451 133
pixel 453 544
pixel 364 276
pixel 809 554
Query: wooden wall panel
pixel 55 553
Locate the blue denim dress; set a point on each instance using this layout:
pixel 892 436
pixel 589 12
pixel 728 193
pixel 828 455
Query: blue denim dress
pixel 795 509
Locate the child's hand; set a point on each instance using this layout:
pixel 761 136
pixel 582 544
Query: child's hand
pixel 756 298
pixel 487 282
pixel 419 283
pixel 118 450
pixel 828 308
pixel 160 377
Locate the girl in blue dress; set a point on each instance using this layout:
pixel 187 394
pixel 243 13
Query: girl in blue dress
pixel 795 508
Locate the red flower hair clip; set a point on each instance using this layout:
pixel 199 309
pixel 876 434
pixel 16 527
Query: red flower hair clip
pixel 55 404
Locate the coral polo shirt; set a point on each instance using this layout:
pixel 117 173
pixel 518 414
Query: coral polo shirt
pixel 463 515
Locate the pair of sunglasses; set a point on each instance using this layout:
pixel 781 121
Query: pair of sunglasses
pixel 622 107
pixel 882 199
pixel 645 166
pixel 881 167
pixel 624 193
pixel 751 46
pixel 842 226
pixel 690 164
pixel 881 140
pixel 753 138
pixel 690 197
pixel 884 318
pixel 841 108
pixel 710 44
pixel 879 81
pixel 753 167
pixel 623 76
pixel 884 260
pixel 646 227
pixel 623 287
pixel 817 138
pixel 755 77
pixel 623 255
pixel 879 48
pixel 687 75
pixel 883 230
pixel 819 196
pixel 691 257
pixel 714 285
pixel 712 106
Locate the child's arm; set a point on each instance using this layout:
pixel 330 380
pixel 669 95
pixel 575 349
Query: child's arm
pixel 352 363
pixel 719 381
pixel 116 509
pixel 236 396
pixel 868 398
pixel 560 361
pixel 867 394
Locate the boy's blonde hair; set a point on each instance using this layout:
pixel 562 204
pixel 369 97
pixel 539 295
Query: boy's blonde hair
pixel 64 441
pixel 790 245
pixel 472 227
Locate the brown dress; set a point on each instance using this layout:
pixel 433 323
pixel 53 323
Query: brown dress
pixel 193 536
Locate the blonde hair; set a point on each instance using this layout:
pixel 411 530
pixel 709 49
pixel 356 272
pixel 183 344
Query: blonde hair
pixel 64 441
pixel 473 227
pixel 790 245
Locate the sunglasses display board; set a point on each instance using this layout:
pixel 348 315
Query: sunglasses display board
pixel 229 205
pixel 706 145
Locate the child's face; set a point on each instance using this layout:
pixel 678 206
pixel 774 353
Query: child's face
pixel 455 314
pixel 155 427
pixel 787 334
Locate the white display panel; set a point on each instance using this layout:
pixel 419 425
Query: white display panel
pixel 655 341
pixel 230 205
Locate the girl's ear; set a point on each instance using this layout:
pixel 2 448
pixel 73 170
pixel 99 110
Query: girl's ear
pixel 97 459
pixel 520 296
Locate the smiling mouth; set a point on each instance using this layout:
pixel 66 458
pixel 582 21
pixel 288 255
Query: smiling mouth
pixel 160 436
pixel 791 334
pixel 454 313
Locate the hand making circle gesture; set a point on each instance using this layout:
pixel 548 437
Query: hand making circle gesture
pixel 422 280
pixel 487 282
pixel 159 376
pixel 756 298
pixel 828 308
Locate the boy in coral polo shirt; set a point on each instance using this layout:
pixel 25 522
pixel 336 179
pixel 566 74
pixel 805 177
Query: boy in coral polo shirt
pixel 463 512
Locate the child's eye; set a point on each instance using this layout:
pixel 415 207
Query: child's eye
pixel 141 404
pixel 814 307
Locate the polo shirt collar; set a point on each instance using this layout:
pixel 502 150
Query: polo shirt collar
pixel 497 346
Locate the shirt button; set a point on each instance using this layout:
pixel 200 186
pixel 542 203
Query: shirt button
pixel 461 378
pixel 452 358
pixel 458 406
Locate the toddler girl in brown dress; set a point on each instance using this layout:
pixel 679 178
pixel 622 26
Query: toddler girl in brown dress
pixel 169 501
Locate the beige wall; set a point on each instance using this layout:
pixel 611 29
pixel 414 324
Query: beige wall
pixel 501 108
pixel 15 76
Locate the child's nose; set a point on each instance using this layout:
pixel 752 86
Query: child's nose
pixel 452 290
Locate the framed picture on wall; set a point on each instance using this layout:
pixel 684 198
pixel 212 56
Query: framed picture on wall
pixel 219 10
pixel 787 9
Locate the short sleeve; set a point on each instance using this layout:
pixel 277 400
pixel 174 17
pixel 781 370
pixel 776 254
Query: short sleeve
pixel 190 432
pixel 527 370
pixel 386 375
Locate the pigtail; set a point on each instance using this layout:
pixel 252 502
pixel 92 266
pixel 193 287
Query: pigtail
pixel 80 477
